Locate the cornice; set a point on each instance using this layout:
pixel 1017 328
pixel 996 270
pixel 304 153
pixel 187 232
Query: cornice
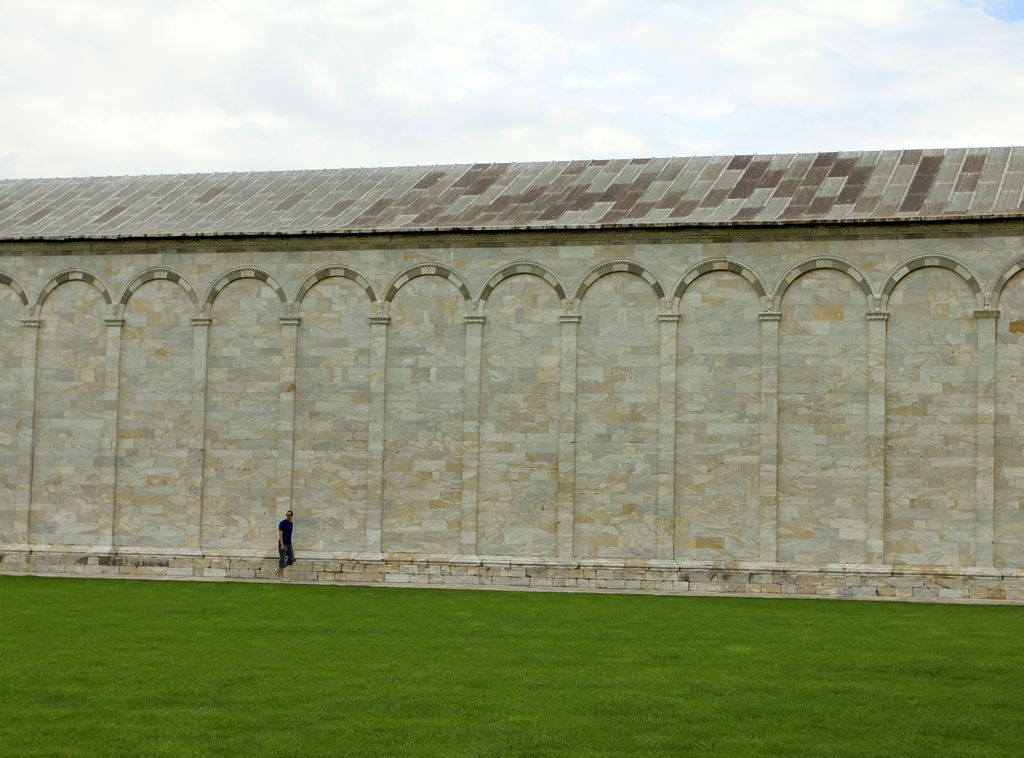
pixel 554 237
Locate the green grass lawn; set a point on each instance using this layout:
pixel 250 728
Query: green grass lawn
pixel 100 667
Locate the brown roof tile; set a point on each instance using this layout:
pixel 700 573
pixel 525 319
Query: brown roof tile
pixel 708 191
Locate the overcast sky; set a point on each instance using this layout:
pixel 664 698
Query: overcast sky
pixel 100 87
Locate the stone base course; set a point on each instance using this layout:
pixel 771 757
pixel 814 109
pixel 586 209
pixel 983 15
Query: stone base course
pixel 643 576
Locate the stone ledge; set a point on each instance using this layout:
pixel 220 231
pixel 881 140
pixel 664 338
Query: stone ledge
pixel 630 575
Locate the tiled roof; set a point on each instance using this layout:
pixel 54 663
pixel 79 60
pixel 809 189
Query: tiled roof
pixel 892 185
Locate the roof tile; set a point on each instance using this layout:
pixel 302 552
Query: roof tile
pixel 708 190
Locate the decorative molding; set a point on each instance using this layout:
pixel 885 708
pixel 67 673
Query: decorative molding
pixel 156 274
pixel 618 266
pixel 328 272
pixel 15 285
pixel 933 261
pixel 244 272
pixel 520 268
pixel 823 263
pixel 552 236
pixel 427 269
pixel 73 275
pixel 718 264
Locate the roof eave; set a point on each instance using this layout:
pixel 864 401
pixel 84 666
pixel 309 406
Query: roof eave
pixel 528 228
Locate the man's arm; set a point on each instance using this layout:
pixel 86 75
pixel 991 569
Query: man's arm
pixel 280 538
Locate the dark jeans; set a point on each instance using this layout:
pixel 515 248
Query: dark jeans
pixel 285 556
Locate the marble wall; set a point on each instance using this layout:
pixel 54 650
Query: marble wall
pixel 813 399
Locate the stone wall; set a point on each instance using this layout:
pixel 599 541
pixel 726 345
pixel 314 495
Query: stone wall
pixel 830 402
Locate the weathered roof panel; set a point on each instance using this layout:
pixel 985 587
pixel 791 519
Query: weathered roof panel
pixel 891 185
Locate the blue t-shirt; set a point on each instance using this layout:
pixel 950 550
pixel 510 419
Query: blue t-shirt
pixel 286 531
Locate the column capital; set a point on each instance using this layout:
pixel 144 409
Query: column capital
pixel 32 323
pixel 987 313
pixel 114 322
pixel 474 318
pixel 380 320
pixel 290 321
pixel 569 318
pixel 877 315
pixel 202 321
pixel 669 318
pixel 769 316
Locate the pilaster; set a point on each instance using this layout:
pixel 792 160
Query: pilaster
pixel 570 324
pixel 666 528
pixel 471 433
pixel 375 440
pixel 875 475
pixel 286 417
pixel 26 429
pixel 111 392
pixel 769 474
pixel 197 435
pixel 984 534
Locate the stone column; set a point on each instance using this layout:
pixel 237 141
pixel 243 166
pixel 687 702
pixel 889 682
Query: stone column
pixel 375 441
pixel 570 325
pixel 111 392
pixel 197 431
pixel 984 534
pixel 26 431
pixel 666 527
pixel 471 433
pixel 769 474
pixel 874 538
pixel 286 418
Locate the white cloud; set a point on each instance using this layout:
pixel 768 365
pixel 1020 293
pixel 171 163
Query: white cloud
pixel 123 86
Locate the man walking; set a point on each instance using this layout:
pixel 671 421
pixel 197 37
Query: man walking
pixel 285 554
